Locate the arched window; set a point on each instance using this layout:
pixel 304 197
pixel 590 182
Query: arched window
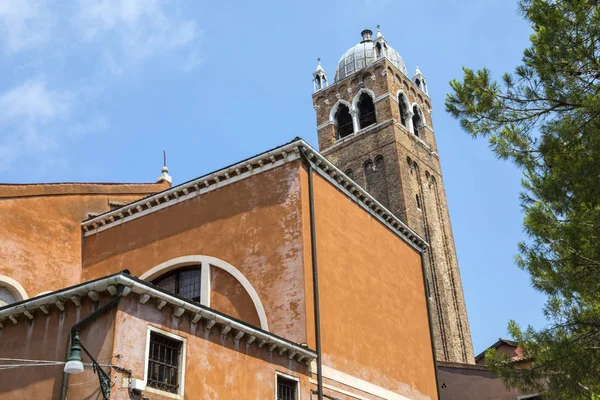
pixel 317 82
pixel 378 49
pixel 195 277
pixel 418 82
pixel 184 282
pixel 417 120
pixel 343 120
pixel 11 291
pixel 418 202
pixel 6 297
pixel 366 111
pixel 403 104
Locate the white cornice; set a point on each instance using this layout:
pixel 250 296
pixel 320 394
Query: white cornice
pixel 263 162
pixel 68 297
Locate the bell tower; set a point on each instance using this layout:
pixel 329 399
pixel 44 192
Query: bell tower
pixel 374 123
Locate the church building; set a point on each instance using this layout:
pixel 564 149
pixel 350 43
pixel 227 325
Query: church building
pixel 296 274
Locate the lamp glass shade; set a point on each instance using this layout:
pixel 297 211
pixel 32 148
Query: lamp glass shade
pixel 73 367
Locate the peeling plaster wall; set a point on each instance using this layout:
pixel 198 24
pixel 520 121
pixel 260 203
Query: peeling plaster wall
pixel 40 232
pixel 253 224
pixel 374 323
pixel 216 367
pixel 45 338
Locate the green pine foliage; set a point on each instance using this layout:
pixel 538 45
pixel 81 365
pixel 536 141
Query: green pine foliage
pixel 545 117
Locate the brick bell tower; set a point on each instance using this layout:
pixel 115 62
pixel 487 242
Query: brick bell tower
pixel 374 123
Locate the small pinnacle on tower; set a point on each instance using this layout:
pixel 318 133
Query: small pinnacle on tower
pixel 379 35
pixel 319 77
pixel 164 176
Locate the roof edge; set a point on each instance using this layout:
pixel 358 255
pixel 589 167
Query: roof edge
pixel 251 166
pixel 59 299
pixel 14 190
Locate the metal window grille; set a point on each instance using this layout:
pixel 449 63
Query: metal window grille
pixel 185 283
pixel 286 388
pixel 163 363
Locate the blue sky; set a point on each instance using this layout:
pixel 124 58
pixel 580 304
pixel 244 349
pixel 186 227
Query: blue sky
pixel 95 90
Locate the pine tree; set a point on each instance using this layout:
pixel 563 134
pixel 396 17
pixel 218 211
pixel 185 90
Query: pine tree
pixel 545 117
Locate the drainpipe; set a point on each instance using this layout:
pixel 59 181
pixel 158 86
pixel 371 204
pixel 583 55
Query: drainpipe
pixel 431 338
pixel 75 328
pixel 315 271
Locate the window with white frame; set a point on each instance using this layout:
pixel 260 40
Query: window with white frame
pixel 287 388
pixel 165 364
pixel 190 277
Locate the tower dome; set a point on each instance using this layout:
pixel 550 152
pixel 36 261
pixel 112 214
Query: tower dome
pixel 366 53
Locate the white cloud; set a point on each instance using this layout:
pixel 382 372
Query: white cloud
pixel 42 38
pixel 28 116
pixel 33 102
pixel 24 24
pixel 139 29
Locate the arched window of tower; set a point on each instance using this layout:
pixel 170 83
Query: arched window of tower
pixel 366 111
pixel 350 174
pixel 343 120
pixel 404 107
pixel 418 82
pixel 378 49
pixel 317 83
pixel 417 120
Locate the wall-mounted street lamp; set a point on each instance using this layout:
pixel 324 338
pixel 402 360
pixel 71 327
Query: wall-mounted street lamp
pixel 74 365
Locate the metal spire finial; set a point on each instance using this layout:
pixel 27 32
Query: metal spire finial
pixel 164 172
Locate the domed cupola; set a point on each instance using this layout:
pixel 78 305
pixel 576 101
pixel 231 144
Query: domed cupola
pixel 366 53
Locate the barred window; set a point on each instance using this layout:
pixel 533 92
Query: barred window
pixel 184 282
pixel 164 360
pixel 286 388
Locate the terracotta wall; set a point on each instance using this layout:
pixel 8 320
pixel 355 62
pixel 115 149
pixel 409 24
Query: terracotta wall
pixel 45 338
pixel 40 232
pixel 216 367
pixel 374 322
pixel 253 224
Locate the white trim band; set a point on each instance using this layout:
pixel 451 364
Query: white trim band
pixel 147 292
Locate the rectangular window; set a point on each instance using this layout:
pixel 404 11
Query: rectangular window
pixel 164 361
pixel 286 388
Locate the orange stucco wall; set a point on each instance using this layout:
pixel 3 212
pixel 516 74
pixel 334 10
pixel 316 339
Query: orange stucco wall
pixel 253 224
pixel 228 294
pixel 40 229
pixel 374 322
pixel 45 338
pixel 216 367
